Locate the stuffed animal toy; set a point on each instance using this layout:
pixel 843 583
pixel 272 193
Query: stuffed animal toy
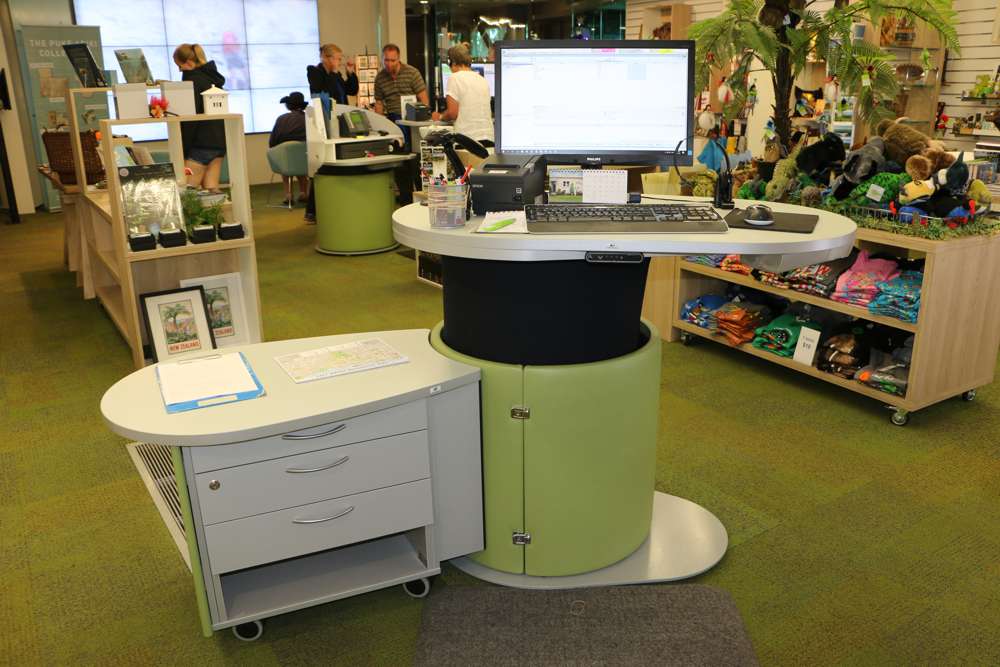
pixel 930 161
pixel 949 182
pixel 860 165
pixel 979 193
pixel 902 141
pixel 817 159
pixel 784 177
pixel 811 196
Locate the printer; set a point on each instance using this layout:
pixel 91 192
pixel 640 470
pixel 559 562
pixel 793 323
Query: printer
pixel 504 181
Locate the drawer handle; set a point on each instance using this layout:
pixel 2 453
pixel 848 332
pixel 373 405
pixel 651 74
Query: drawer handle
pixel 293 436
pixel 329 518
pixel 340 461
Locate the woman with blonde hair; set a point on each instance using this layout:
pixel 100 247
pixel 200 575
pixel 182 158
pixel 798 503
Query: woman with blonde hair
pixel 205 141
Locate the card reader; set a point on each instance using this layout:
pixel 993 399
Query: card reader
pixel 505 182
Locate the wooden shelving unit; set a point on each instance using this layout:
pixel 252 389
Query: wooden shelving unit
pixel 956 336
pixel 677 14
pixel 116 276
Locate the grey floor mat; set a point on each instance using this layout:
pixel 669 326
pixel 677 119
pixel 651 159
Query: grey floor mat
pixel 627 625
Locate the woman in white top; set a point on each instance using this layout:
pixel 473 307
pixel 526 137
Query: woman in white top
pixel 468 98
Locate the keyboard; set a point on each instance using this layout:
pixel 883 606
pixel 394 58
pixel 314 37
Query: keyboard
pixel 623 219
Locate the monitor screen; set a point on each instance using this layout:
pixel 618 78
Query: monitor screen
pixel 596 102
pixel 485 70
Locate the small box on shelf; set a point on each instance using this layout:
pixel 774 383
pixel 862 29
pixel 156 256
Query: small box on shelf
pixel 172 238
pixel 137 242
pixel 202 234
pixel 231 230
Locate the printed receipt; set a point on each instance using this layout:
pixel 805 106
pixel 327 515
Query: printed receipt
pixel 326 362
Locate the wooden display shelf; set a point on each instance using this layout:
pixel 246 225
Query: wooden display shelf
pixel 114 305
pixel 190 249
pixel 956 338
pixel 793 295
pixel 853 385
pixel 117 276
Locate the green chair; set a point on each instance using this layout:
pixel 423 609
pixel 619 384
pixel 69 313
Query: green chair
pixel 289 160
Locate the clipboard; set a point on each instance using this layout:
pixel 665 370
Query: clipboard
pixel 202 382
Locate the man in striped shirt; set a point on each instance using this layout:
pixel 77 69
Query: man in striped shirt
pixel 395 79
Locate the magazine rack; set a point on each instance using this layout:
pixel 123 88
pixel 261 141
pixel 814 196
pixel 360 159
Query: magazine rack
pixel 116 275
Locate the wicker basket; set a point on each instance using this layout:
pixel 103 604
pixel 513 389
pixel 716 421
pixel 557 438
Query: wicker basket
pixel 60 152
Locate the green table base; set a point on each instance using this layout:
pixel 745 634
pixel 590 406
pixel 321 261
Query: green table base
pixel 578 474
pixel 354 213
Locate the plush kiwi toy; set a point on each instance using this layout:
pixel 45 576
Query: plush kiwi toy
pixel 902 141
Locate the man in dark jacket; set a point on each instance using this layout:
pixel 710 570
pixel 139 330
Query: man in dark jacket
pixel 326 77
pixel 204 142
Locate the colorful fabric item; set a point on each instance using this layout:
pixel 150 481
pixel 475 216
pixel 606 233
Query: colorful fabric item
pixel 818 279
pixel 780 336
pixel 705 260
pixel 738 320
pixel 843 355
pixel 733 263
pixel 700 311
pixel 859 285
pixel 899 297
pixel 888 372
pixel 774 279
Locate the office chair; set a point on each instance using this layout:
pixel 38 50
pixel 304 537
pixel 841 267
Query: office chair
pixel 287 159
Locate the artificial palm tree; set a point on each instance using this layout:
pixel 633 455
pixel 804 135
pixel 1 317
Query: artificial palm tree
pixel 783 34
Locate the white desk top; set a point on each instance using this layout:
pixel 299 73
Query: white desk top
pixel 832 238
pixel 422 123
pixel 370 161
pixel 133 407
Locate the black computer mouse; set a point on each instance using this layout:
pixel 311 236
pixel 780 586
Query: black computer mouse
pixel 758 214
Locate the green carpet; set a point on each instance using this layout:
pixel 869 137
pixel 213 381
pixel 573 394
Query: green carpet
pixel 852 541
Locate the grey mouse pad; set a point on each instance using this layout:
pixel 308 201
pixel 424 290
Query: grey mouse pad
pixel 798 223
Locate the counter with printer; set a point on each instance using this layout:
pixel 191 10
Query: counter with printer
pixel 352 154
pixel 571 385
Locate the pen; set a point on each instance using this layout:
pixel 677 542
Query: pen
pixel 466 174
pixel 500 224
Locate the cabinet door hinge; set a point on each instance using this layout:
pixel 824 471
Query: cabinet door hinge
pixel 520 413
pixel 520 539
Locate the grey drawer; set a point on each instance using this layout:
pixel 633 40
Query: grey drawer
pixel 290 481
pixel 392 421
pixel 265 538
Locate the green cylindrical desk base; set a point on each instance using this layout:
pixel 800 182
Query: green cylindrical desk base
pixel 577 474
pixel 354 213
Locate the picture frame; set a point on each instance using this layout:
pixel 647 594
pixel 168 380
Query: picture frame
pixel 177 323
pixel 225 305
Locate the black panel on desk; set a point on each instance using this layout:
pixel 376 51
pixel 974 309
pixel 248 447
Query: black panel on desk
pixel 540 313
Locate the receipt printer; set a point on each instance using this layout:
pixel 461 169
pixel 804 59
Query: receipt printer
pixel 505 182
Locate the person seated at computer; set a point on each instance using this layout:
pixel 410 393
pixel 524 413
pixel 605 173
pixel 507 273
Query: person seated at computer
pixel 291 126
pixel 467 99
pixel 326 77
pixel 204 142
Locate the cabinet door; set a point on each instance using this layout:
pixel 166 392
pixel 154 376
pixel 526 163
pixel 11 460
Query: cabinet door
pixel 589 460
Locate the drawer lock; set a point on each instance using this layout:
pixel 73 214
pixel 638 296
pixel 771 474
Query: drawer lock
pixel 214 484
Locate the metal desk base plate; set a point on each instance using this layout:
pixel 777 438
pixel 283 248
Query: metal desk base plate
pixel 684 540
pixel 350 253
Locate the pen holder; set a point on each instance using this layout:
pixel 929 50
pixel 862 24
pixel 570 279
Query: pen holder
pixel 448 204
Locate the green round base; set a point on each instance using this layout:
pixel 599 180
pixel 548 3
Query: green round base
pixel 577 474
pixel 354 213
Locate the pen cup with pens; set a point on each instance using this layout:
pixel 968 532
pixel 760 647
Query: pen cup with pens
pixel 448 202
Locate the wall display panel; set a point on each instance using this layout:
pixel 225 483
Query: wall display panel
pixel 262 47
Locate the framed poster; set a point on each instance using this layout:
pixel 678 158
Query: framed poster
pixel 224 302
pixel 177 323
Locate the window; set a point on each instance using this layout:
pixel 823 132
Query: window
pixel 262 47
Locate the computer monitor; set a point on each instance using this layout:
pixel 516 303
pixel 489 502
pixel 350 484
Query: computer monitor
pixel 485 70
pixel 596 102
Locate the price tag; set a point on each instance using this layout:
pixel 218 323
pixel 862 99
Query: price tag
pixel 875 192
pixel 805 349
pixel 866 81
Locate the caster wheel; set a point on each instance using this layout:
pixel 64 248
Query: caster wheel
pixel 969 395
pixel 686 339
pixel 248 632
pixel 900 417
pixel 419 588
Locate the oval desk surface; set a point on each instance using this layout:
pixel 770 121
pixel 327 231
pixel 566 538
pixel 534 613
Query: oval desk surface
pixel 832 238
pixel 134 407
